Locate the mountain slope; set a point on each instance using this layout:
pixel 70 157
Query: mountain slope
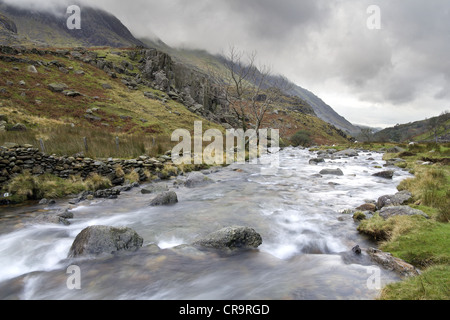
pixel 98 28
pixel 203 61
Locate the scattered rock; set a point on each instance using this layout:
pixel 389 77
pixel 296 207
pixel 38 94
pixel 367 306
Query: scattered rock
pixel 32 69
pixel 57 87
pixel 165 198
pixel 231 238
pixel 97 240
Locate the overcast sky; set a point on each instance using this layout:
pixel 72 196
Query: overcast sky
pixel 378 77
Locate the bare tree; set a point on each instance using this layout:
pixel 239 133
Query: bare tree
pixel 249 90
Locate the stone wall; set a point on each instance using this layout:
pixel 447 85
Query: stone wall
pixel 15 159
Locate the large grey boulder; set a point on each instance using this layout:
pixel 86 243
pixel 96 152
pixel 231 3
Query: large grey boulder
pixel 197 179
pixel 97 240
pixel 165 198
pixel 231 238
pixel 335 172
pixel 388 212
pixel 397 199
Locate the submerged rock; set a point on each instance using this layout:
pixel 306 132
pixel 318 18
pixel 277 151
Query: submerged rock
pixel 97 240
pixel 336 172
pixel 231 238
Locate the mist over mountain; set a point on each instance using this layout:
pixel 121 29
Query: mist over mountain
pixel 47 26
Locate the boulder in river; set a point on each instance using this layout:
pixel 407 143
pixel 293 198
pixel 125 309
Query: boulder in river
pixel 316 161
pixel 384 174
pixel 165 198
pixel 97 240
pixel 336 172
pixel 231 238
pixel 197 179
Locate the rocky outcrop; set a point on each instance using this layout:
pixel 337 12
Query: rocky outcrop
pixel 390 262
pixel 97 240
pixel 231 238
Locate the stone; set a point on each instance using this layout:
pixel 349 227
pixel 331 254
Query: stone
pixel 236 237
pixel 384 174
pixel 154 189
pixel 398 199
pixel 367 207
pixel 32 69
pixel 357 250
pixel 47 218
pixel 346 153
pixel 98 240
pixel 392 263
pixel 71 93
pixel 388 212
pixel 316 161
pixel 336 172
pixel 165 198
pixel 57 87
pixel 18 127
pixel 197 179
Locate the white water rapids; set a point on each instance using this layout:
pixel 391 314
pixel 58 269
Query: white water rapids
pixel 306 251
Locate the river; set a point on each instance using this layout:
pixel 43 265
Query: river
pixel 306 251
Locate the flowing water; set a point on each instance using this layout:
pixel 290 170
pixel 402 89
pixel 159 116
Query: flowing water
pixel 306 251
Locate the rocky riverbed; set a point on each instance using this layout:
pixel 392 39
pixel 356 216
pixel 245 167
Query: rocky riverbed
pixel 244 232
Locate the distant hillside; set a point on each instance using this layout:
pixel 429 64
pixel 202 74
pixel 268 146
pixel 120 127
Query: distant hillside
pixel 99 28
pixel 424 130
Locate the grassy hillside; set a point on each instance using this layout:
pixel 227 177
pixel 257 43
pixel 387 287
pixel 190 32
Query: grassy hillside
pixel 104 109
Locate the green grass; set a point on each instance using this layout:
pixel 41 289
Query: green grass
pixel 432 284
